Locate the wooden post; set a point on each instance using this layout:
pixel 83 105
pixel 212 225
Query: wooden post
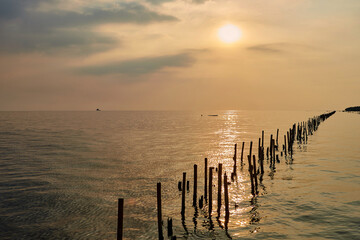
pixel 161 237
pixel 251 176
pixel 288 140
pixel 210 189
pixel 242 152
pixel 250 148
pixel 255 173
pixel 201 202
pixel 277 138
pixel 259 149
pixel 219 187
pixel 262 165
pixel 170 230
pixel 271 147
pixel 262 139
pixel 183 194
pixel 195 186
pixel 235 158
pixel 120 218
pixel 205 184
pixel 226 192
pixel 285 144
pixel 273 154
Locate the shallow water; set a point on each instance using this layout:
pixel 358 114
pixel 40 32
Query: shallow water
pixel 62 173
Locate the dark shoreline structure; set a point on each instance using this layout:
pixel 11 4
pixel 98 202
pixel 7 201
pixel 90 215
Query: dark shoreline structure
pixel 298 132
pixel 353 109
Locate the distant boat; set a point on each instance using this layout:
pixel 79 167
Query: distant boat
pixel 98 110
pixel 213 115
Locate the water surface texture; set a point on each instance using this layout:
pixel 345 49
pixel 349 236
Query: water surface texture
pixel 61 174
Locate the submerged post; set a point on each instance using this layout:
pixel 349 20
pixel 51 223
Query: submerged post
pixel 158 188
pixel 195 186
pixel 183 194
pixel 120 218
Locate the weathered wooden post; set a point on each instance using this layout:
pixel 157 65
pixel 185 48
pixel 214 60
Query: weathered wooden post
pixel 242 152
pixel 120 218
pixel 271 147
pixel 219 187
pixel 255 173
pixel 277 138
pixel 251 176
pixel 169 225
pixel 183 194
pixel 250 152
pixel 262 139
pixel 259 149
pixel 201 202
pixel 195 186
pixel 205 184
pixel 285 144
pixel 210 189
pixel 226 192
pixel 235 158
pixel 161 237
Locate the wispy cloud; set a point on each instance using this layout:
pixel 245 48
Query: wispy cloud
pixel 140 66
pixel 267 48
pixel 278 48
pixel 23 28
pixel 157 2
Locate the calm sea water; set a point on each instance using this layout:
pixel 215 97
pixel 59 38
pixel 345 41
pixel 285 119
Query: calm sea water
pixel 61 174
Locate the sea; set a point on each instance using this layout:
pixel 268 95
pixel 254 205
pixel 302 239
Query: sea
pixel 62 173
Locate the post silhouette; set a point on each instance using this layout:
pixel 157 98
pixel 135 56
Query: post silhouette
pixel 158 188
pixel 195 186
pixel 183 194
pixel 120 218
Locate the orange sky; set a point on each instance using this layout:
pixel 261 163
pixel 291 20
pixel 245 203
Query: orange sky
pixel 166 55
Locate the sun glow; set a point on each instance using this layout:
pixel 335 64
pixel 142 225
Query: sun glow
pixel 229 33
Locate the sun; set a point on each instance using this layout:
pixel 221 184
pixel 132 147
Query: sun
pixel 229 33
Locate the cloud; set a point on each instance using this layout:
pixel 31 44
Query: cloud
pixel 267 48
pixel 282 47
pixel 64 41
pixel 140 65
pixel 158 2
pixel 199 1
pixel 23 28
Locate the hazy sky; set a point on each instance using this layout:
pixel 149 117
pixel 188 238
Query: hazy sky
pixel 165 55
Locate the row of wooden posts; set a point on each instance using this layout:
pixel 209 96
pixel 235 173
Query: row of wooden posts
pixel 298 132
